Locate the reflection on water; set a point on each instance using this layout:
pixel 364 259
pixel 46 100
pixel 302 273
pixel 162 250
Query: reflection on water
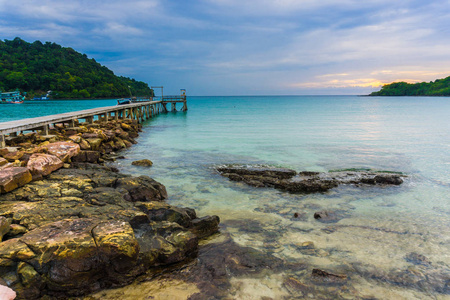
pixel 385 243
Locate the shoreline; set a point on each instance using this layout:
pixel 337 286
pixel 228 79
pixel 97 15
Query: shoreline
pixel 122 225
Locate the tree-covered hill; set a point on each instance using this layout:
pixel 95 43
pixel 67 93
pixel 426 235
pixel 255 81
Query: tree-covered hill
pixel 440 87
pixel 36 68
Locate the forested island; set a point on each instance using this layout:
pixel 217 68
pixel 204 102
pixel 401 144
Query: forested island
pixel 440 87
pixel 36 68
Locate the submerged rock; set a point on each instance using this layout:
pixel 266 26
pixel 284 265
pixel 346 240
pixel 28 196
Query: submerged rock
pixel 326 277
pixel 418 259
pixel 326 216
pixel 305 182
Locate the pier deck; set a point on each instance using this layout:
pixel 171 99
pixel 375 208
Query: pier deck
pixel 138 111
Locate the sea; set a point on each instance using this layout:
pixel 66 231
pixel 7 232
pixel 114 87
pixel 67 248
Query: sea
pixel 388 243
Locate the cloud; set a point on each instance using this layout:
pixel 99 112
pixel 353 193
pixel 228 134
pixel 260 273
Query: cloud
pixel 262 46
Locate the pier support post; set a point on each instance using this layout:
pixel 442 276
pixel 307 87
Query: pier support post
pixel 45 129
pixel 2 141
pixel 184 108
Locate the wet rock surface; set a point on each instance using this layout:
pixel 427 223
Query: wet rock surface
pixel 88 227
pixel 142 163
pixel 305 182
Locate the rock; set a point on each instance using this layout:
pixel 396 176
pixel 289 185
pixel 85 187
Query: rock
pixel 330 216
pixel 325 277
pixel 308 186
pixel 87 156
pixel 73 255
pixel 125 126
pixel 307 245
pixel 142 188
pixel 388 179
pixel 417 259
pixel 16 229
pixel 278 173
pixel 206 226
pixel 84 145
pixel 4 227
pixel 142 163
pixel 75 138
pixel 8 165
pixel 295 286
pixel 165 243
pixel 90 135
pixel 63 150
pixel 127 143
pixel 158 211
pixel 43 164
pixel 116 241
pixel 3 161
pixel 92 156
pixel 14 177
pixel 305 182
pixel 13 156
pixel 95 143
pixel 6 293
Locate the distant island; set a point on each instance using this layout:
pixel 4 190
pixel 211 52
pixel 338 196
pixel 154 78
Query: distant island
pixel 36 68
pixel 440 87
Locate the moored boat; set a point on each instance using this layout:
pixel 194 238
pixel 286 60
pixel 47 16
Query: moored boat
pixel 12 98
pixel 123 101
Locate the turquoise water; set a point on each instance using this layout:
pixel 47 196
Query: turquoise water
pixel 372 244
pixel 31 109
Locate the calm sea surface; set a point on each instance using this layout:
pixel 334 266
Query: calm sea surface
pixel 393 243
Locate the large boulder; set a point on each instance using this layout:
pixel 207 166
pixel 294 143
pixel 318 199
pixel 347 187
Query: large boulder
pixel 73 255
pixel 63 150
pixel 43 164
pixel 14 177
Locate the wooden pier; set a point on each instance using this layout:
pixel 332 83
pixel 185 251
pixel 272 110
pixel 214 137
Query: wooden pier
pixel 140 111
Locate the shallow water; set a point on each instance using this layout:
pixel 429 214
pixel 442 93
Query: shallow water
pixel 391 243
pixel 380 227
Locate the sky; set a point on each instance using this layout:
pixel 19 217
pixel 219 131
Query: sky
pixel 247 47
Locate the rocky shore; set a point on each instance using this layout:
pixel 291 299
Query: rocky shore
pixel 71 226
